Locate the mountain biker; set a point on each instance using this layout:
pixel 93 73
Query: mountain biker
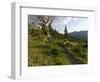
pixel 65 43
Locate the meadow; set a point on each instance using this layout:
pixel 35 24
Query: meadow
pixel 46 46
pixel 43 53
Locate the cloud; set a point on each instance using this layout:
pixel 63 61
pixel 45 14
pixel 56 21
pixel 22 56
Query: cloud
pixel 72 23
pixel 67 20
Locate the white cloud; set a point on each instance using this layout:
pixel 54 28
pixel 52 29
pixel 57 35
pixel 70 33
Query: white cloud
pixel 73 24
pixel 67 20
pixel 75 19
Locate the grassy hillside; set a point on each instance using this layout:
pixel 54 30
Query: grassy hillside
pixel 43 53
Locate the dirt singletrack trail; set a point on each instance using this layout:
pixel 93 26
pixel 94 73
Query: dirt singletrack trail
pixel 71 57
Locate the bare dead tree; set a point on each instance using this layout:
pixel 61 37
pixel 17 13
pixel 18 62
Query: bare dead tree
pixel 45 22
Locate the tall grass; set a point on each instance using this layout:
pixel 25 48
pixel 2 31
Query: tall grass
pixel 44 53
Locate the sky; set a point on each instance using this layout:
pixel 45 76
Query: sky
pixel 72 23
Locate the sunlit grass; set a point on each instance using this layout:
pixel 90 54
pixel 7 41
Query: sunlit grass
pixel 41 53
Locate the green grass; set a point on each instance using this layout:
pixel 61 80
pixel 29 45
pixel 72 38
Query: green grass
pixel 41 53
pixel 80 52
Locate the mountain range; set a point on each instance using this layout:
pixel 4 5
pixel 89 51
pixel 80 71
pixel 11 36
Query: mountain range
pixel 79 35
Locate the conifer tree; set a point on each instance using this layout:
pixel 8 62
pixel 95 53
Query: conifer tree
pixel 65 31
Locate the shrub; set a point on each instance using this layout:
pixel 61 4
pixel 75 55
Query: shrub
pixel 56 52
